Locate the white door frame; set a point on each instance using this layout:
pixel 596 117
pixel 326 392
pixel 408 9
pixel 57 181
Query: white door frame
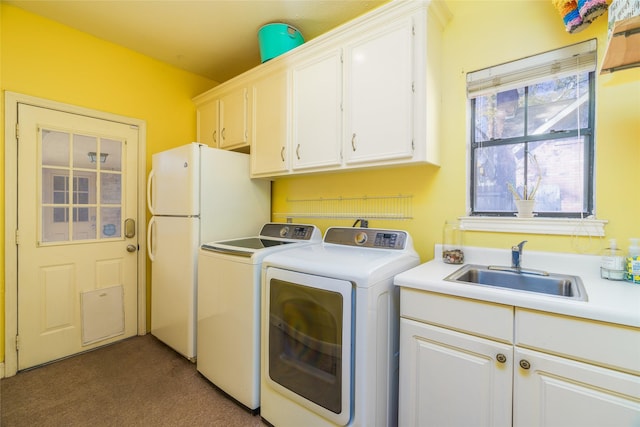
pixel 11 219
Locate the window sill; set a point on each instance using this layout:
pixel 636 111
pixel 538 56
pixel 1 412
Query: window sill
pixel 557 226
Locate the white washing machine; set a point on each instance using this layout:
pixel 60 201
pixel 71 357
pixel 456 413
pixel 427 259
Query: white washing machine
pixel 228 328
pixel 330 330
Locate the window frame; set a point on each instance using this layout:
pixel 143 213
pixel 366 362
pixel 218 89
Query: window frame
pixel 518 75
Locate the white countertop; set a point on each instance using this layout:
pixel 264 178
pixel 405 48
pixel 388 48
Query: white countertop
pixel 608 300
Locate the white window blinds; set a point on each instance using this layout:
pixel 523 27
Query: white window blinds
pixel 574 59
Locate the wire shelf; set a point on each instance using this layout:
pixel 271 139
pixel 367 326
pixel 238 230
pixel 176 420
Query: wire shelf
pixel 398 207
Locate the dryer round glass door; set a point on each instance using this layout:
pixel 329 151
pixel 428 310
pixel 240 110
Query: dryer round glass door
pixel 310 351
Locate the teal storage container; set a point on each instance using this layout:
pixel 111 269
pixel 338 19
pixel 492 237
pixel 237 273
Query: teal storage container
pixel 276 39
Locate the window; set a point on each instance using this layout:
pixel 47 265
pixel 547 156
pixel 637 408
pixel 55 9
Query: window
pixel 61 196
pixel 532 134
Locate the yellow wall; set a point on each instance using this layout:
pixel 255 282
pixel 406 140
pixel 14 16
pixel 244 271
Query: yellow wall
pixel 44 59
pixel 482 34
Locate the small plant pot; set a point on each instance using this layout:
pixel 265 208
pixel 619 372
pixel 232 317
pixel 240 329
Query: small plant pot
pixel 525 208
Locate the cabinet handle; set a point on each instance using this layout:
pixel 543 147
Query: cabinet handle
pixel 524 364
pixel 501 358
pixel 215 136
pixel 353 142
pixel 298 151
pixel 222 132
pixel 282 154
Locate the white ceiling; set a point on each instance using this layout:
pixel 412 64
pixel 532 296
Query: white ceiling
pixel 217 39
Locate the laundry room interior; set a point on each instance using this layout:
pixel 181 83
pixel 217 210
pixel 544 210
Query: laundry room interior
pixel 320 250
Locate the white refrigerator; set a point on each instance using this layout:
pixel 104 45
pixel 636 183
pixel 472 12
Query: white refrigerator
pixel 196 194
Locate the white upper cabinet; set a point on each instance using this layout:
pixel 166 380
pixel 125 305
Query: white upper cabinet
pixel 233 119
pixel 223 117
pixel 207 118
pixel 365 94
pixel 379 107
pixel 317 111
pixel 270 143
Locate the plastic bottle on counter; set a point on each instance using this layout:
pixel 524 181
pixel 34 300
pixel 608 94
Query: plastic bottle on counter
pixel 632 262
pixel 612 264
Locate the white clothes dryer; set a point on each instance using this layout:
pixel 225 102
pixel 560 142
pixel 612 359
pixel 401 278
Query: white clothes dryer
pixel 228 327
pixel 330 329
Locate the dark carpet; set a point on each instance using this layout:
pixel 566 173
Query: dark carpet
pixel 135 382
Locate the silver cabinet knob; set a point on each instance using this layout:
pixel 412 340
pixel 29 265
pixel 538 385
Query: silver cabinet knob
pixel 501 358
pixel 524 364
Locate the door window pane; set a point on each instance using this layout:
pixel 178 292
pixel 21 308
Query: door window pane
pixel 110 218
pixel 83 146
pixel 84 224
pixel 113 151
pixel 80 174
pixel 55 225
pixel 110 188
pixel 55 148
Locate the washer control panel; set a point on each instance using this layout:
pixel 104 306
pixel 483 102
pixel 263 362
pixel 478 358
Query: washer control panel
pixel 288 231
pixel 366 237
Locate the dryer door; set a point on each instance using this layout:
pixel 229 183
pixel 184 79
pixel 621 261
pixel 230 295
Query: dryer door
pixel 309 338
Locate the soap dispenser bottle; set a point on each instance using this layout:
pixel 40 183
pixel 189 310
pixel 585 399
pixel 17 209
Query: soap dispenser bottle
pixel 632 262
pixel 612 264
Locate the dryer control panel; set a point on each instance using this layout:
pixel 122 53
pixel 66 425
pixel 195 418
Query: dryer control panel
pixel 366 237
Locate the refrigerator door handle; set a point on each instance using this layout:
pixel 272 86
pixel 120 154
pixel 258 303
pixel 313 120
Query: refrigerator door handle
pixel 149 180
pixel 149 240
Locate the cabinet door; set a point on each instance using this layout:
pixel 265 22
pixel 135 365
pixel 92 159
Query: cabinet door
pixel 233 119
pixel 269 154
pixel 207 116
pixel 452 379
pixel 317 112
pixel 379 95
pixel 554 391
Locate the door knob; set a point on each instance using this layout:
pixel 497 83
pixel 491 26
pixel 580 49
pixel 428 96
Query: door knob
pixel 131 248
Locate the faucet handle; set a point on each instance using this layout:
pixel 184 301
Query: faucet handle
pixel 519 246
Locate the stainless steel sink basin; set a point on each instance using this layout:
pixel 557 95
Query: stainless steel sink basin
pixel 558 285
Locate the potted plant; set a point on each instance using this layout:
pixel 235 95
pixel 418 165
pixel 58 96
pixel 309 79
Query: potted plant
pixel 525 201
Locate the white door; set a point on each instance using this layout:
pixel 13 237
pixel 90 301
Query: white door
pixel 317 111
pixel 173 250
pixel 173 186
pixel 77 240
pixel 452 379
pixel 269 124
pixel 553 391
pixel 379 95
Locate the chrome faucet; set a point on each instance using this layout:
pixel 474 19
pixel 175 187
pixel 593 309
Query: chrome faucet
pixel 516 262
pixel 516 255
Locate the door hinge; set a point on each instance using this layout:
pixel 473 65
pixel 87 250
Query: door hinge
pixel 17 130
pixel 17 342
pixel 17 237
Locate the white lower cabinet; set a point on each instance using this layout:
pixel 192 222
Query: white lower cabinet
pixel 459 368
pixel 555 391
pixel 452 379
